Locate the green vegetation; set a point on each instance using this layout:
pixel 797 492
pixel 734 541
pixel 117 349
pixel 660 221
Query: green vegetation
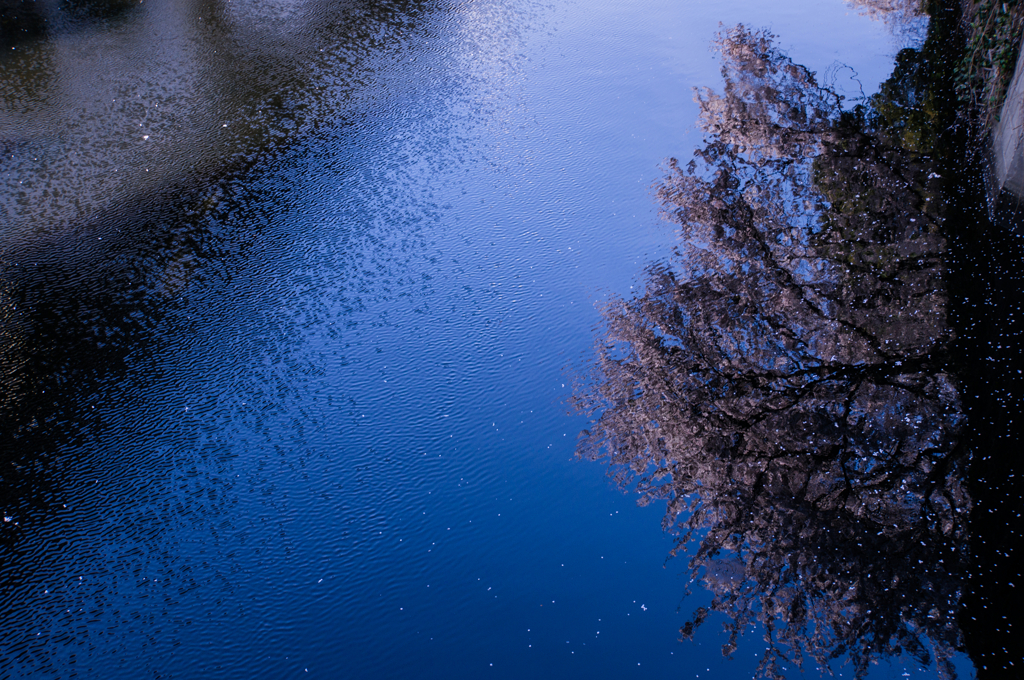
pixel 993 38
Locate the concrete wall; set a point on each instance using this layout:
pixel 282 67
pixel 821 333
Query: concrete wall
pixel 1008 137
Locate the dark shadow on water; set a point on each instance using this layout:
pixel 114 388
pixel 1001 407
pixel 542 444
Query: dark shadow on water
pixel 26 21
pixel 20 20
pixel 987 267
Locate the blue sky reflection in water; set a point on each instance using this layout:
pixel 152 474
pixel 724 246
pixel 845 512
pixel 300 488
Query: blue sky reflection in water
pixel 289 334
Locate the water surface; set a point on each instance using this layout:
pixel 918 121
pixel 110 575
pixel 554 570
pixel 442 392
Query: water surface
pixel 294 295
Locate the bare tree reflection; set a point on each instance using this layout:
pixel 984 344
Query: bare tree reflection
pixel 888 9
pixel 781 381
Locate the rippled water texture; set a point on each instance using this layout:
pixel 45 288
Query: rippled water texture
pixel 293 295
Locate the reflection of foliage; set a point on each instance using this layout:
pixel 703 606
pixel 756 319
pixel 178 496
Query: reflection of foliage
pixel 993 44
pixel 771 107
pixel 781 382
pixel 909 108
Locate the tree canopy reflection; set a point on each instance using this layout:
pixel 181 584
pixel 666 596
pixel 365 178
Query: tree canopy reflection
pixel 782 382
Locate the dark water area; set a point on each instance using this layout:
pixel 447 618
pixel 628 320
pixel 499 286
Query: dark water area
pixel 986 269
pixel 305 305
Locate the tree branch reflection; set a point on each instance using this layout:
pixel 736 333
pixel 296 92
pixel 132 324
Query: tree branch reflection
pixel 782 382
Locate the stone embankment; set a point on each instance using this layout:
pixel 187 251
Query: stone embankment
pixel 1008 137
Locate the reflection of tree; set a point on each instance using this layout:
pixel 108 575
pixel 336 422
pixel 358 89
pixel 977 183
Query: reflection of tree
pixel 781 382
pixel 886 8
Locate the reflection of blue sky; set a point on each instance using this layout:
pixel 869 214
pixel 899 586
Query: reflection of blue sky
pixel 816 35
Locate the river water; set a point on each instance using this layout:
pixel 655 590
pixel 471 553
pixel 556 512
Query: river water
pixel 295 296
